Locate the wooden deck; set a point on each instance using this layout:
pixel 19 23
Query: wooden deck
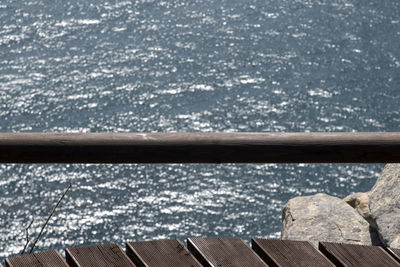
pixel 214 251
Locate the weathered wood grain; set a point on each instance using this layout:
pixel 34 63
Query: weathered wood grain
pixel 160 253
pixel 106 255
pixel 357 255
pixel 289 253
pixel 394 252
pixel 41 259
pixel 219 251
pixel 199 147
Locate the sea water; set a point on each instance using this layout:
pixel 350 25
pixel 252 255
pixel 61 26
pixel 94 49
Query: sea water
pixel 187 66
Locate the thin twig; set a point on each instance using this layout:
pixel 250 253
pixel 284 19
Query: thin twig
pixel 27 237
pixel 48 218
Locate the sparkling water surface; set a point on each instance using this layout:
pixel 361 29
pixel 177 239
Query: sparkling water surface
pixel 186 66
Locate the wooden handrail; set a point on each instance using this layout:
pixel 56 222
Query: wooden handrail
pixel 200 147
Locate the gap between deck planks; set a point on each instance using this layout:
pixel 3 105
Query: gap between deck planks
pixel 215 251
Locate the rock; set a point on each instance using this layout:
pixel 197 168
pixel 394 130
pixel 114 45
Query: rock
pixel 360 202
pixel 324 218
pixel 384 205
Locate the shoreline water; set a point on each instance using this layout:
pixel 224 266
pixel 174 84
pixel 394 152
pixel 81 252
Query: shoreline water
pixel 200 66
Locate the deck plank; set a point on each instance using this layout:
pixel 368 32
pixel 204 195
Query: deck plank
pixel 289 253
pixel 219 251
pixel 160 253
pixel 357 255
pixel 41 259
pixel 394 252
pixel 105 255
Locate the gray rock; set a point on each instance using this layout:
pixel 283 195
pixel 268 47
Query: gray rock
pixel 324 218
pixel 360 202
pixel 384 205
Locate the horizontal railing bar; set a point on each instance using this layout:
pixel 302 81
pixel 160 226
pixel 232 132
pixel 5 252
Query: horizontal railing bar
pixel 339 147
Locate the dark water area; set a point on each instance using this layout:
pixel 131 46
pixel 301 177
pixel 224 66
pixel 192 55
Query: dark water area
pixel 187 66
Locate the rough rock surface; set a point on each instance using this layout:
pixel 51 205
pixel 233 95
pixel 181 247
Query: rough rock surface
pixel 324 218
pixel 385 205
pixel 360 202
